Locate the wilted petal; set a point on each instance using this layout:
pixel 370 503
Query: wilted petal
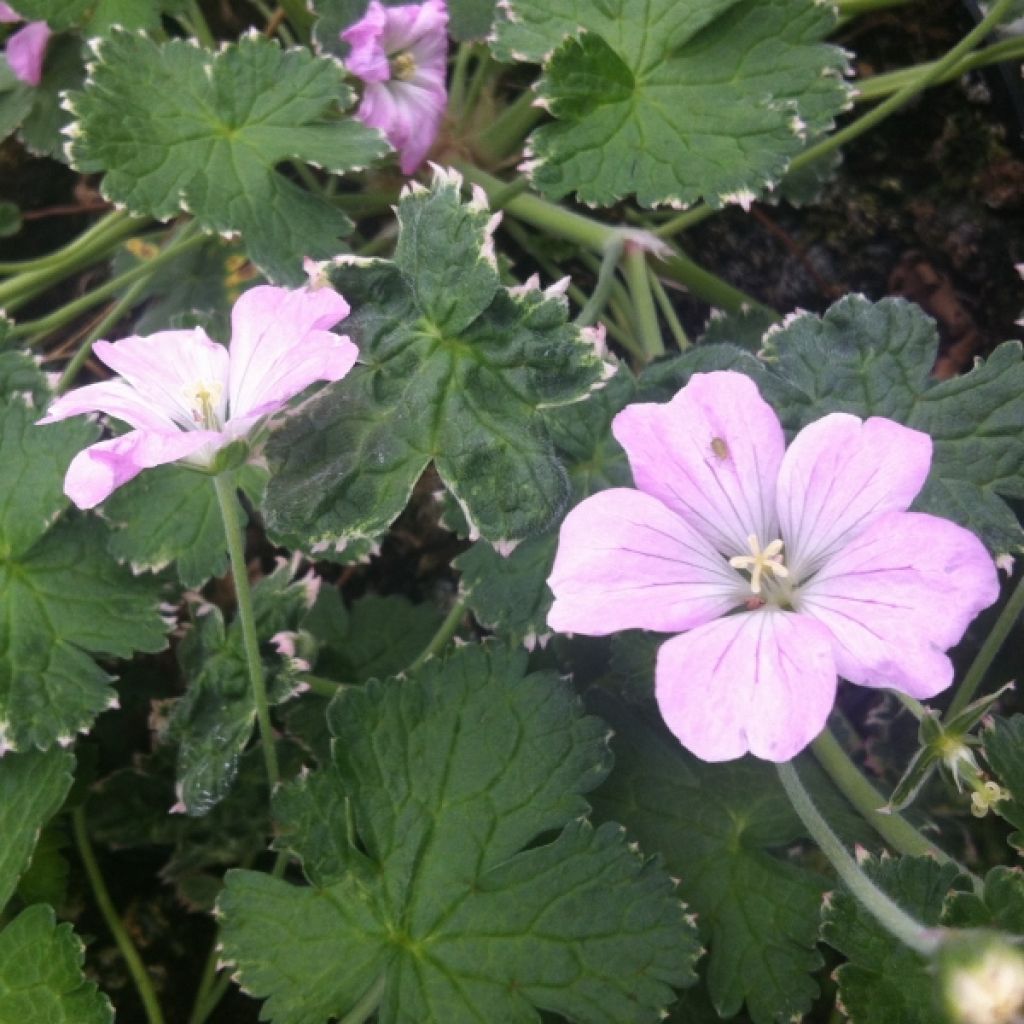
pixel 103 467
pixel 172 370
pixel 368 59
pixel 280 344
pixel 113 397
pixel 712 455
pixel 898 596
pixel 841 473
pixel 26 50
pixel 761 681
pixel 625 561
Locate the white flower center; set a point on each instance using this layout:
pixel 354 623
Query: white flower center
pixel 202 399
pixel 403 66
pixel 761 561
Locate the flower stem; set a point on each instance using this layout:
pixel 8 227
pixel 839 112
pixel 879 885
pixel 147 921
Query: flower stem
pixel 903 96
pixel 893 828
pixel 644 313
pixel 228 501
pixel 444 633
pixel 457 90
pixel 44 325
pixel 989 649
pixel 889 915
pixel 667 311
pixel 111 224
pixel 101 894
pixel 505 134
pixel 602 289
pixel 879 86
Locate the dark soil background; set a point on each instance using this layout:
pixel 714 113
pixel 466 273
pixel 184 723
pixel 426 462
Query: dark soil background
pixel 929 206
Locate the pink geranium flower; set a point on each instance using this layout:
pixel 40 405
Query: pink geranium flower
pixel 401 53
pixel 27 47
pixel 187 397
pixel 780 569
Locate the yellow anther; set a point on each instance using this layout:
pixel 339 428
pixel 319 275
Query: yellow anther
pixel 760 562
pixel 202 399
pixel 403 66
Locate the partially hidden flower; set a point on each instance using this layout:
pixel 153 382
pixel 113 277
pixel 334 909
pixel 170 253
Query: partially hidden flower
pixel 187 397
pixel 401 54
pixel 780 569
pixel 27 47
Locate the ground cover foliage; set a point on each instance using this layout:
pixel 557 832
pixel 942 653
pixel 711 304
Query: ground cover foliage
pixel 285 731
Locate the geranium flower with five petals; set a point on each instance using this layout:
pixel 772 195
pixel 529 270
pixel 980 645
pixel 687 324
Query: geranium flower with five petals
pixel 187 396
pixel 27 47
pixel 401 54
pixel 780 569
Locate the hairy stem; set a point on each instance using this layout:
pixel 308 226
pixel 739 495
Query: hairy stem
pixel 505 134
pixel 228 501
pixel 444 633
pixel 645 316
pixel 989 649
pixel 893 918
pixel 668 311
pixel 101 894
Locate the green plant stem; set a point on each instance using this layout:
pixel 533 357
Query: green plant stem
pixel 227 498
pixel 668 311
pixel 113 315
pixel 505 134
pixel 893 918
pixel 299 16
pixel 645 316
pixel 206 983
pixel 111 223
pixel 897 832
pixel 851 8
pixel 584 231
pixel 444 633
pixel 369 1002
pixel 903 96
pixel 102 896
pixel 877 87
pixel 206 1005
pixel 457 90
pixel 44 325
pixel 685 220
pixel 199 25
pixel 26 285
pixel 481 73
pixel 1011 612
pixel 602 289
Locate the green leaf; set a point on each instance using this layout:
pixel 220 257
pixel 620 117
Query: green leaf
pixel 716 826
pixel 61 597
pixel 43 125
pixel 1000 904
pixel 455 370
pixel 449 775
pixel 206 131
pixel 10 219
pixel 874 359
pixel 32 788
pixel 20 375
pixel 885 982
pixel 41 975
pixel 215 719
pixel 673 102
pixel 15 99
pixel 46 878
pixel 170 514
pixel 94 17
pixel 509 593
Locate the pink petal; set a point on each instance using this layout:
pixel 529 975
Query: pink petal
pixel 898 596
pixel 167 368
pixel 839 474
pixel 101 468
pixel 113 397
pixel 8 15
pixel 26 50
pixel 712 455
pixel 280 344
pixel 625 561
pixel 762 682
pixel 368 59
pixel 419 28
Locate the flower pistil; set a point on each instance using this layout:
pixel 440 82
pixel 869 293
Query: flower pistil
pixel 761 561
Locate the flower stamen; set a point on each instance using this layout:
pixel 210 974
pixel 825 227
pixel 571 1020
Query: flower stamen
pixel 203 399
pixel 403 66
pixel 761 561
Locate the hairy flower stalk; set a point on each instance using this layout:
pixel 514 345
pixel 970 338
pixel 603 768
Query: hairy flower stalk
pixel 401 55
pixel 26 49
pixel 780 569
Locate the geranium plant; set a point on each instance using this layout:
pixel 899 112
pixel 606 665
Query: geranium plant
pixel 431 573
